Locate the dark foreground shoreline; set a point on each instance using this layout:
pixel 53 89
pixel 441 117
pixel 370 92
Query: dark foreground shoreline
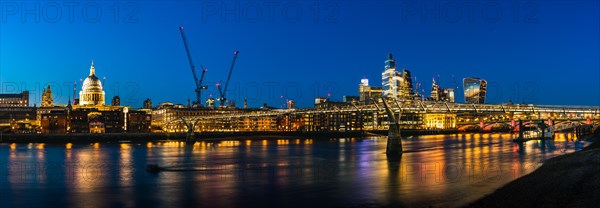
pixel 571 180
pixel 205 136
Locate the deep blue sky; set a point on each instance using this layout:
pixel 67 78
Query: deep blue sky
pixel 547 53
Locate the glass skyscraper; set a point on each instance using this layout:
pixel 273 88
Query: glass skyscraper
pixel 390 78
pixel 396 84
pixel 475 89
pixel 406 88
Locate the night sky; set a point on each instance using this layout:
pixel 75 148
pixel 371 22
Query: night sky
pixel 534 52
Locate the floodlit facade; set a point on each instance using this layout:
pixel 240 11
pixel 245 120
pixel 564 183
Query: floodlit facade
pixel 475 90
pixel 91 93
pixel 47 98
pixel 439 121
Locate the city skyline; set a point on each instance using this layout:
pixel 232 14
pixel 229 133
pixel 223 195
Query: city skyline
pixel 313 65
pixel 402 103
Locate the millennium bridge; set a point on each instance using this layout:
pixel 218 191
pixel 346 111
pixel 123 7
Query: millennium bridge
pixel 412 114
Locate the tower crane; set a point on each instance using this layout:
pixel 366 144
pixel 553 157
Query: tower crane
pixel 454 82
pixel 222 92
pixel 197 82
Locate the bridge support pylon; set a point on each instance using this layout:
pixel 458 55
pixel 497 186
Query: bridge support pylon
pixel 394 142
pixel 521 138
pixel 190 137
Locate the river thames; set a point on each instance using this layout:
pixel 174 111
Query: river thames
pixel 435 170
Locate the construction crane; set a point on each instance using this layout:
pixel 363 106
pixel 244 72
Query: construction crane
pixel 222 92
pixel 197 82
pixel 454 82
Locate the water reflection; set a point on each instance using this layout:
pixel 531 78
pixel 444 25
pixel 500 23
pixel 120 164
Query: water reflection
pixel 436 170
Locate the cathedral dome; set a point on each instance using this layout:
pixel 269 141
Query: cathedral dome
pixel 91 91
pixel 92 84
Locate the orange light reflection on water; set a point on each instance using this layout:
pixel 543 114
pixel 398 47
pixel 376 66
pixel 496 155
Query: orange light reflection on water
pixel 445 168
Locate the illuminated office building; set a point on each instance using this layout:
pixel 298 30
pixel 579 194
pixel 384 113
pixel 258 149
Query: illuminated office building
pixel 436 91
pixel 475 90
pixel 291 104
pixel 350 99
pixel 406 87
pixel 440 94
pixel 15 100
pixel 390 79
pixel 448 95
pixel 396 84
pixel 320 100
pixel 367 94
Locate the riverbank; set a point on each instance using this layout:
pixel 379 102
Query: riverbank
pixel 205 136
pixel 565 181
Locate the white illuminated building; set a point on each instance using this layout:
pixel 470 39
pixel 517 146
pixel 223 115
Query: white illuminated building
pixel 91 93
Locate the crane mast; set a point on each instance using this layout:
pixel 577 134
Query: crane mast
pixel 222 99
pixel 197 82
